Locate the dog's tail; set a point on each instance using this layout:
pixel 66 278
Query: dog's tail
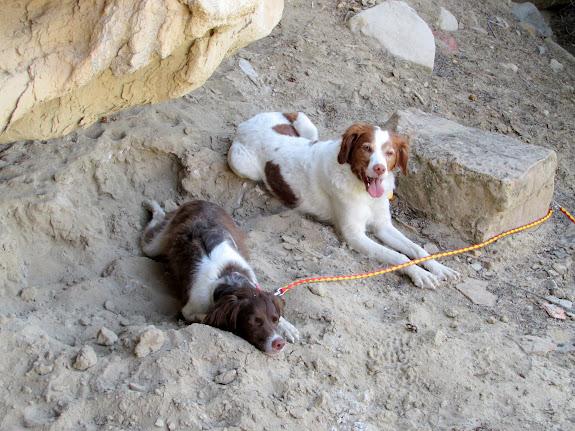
pixel 303 125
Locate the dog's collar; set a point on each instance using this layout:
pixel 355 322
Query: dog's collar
pixel 243 275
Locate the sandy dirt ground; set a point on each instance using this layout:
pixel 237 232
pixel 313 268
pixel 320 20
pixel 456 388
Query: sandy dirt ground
pixel 375 354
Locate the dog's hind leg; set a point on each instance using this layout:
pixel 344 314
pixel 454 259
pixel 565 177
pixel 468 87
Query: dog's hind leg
pixel 152 241
pixel 305 127
pixel 243 162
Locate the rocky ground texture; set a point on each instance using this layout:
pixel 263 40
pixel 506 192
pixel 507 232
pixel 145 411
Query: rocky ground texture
pixel 89 328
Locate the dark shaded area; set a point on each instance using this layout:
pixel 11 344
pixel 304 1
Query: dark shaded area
pixel 563 25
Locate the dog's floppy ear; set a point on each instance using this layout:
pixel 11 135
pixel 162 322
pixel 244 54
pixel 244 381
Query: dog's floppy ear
pixel 403 152
pixel 279 303
pixel 224 313
pixel 347 140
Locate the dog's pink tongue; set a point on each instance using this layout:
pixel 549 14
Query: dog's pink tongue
pixel 375 189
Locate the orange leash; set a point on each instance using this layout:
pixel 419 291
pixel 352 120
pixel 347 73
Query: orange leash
pixel 284 289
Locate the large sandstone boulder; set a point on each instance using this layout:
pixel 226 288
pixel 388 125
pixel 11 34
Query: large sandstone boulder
pixel 479 183
pixel 66 63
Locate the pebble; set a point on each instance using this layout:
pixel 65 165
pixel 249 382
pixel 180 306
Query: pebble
pixel 85 359
pixel 477 266
pixel 559 268
pixel 555 65
pixel 317 289
pixel 136 387
pixel 439 338
pixel 226 377
pixel 43 369
pixel 510 66
pixel 451 312
pixel 504 319
pixel 297 412
pixel 491 320
pixel 159 423
pixel 28 294
pixel 109 305
pixel 536 345
pixel 106 337
pixel 151 340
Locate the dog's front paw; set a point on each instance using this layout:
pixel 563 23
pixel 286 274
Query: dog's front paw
pixel 442 272
pixel 422 278
pixel 288 331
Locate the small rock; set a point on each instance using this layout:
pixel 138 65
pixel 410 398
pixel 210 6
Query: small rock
pixel 439 338
pixel 247 68
pixel 477 266
pixel 317 289
pixel 169 205
pixel 289 239
pixel 510 66
pixel 28 294
pixel 491 320
pixel 297 412
pixel 321 400
pixel 136 387
pixel 109 305
pixel 559 268
pixel 106 337
pixel 555 65
pixel 528 13
pixel 451 312
pixel 151 340
pixel 476 291
pixel 226 377
pixel 504 319
pixel 43 369
pixel 536 345
pixel 85 359
pixel 446 21
pixel 159 423
pixel 550 285
pixel 85 321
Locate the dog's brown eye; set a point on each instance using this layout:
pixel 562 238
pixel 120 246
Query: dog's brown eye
pixel 258 321
pixel 389 153
pixel 366 148
pixel 275 319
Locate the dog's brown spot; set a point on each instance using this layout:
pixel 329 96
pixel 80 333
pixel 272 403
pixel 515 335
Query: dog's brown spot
pixel 286 129
pixel 278 185
pixel 291 116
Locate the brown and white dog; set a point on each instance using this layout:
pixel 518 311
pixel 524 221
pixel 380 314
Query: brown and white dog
pixel 345 181
pixel 206 254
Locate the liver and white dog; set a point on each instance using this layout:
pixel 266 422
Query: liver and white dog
pixel 346 181
pixel 206 254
